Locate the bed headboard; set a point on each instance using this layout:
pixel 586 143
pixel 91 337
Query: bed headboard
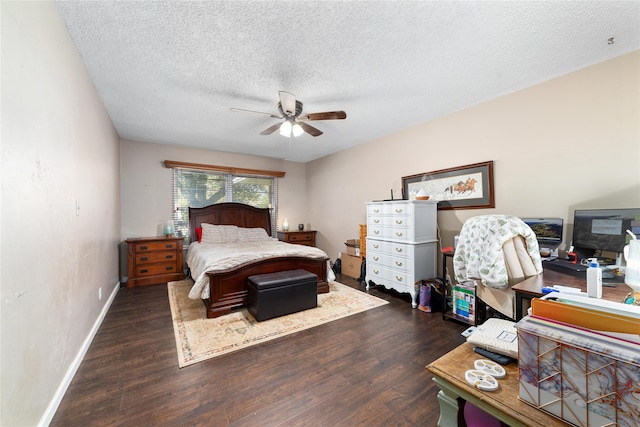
pixel 229 214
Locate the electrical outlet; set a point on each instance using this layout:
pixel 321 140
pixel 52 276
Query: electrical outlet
pixel 99 293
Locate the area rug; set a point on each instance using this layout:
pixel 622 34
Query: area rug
pixel 199 338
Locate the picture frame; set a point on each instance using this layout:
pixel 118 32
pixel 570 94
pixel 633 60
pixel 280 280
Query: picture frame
pixel 462 187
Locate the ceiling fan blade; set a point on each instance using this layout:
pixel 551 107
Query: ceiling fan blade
pixel 310 129
pixel 240 110
pixel 288 103
pixel 327 115
pixel 271 130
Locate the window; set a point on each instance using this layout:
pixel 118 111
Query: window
pixel 200 188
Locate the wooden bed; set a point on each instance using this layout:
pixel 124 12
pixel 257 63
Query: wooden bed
pixel 228 288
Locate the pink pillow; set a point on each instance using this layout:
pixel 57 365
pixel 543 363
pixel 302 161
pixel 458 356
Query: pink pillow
pixel 199 233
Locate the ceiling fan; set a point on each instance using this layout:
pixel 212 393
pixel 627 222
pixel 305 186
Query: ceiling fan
pixel 295 123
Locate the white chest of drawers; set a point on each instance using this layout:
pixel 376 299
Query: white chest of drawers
pixel 402 238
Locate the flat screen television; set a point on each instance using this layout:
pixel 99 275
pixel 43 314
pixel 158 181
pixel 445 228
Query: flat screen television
pixel 604 229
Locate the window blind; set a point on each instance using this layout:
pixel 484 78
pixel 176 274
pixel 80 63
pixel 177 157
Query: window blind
pixel 199 188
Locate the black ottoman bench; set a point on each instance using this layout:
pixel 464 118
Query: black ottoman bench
pixel 276 294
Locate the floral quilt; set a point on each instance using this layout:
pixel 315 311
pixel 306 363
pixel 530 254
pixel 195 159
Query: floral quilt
pixel 479 254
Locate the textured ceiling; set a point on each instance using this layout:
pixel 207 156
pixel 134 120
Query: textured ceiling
pixel 168 71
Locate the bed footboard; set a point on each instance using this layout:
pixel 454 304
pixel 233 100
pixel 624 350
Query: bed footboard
pixel 228 288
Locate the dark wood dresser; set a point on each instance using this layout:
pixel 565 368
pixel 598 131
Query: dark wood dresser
pixel 154 260
pixel 307 238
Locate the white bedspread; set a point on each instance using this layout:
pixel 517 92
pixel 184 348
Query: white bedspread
pixel 203 257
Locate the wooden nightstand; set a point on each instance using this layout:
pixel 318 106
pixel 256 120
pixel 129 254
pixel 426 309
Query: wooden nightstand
pixel 154 260
pixel 307 237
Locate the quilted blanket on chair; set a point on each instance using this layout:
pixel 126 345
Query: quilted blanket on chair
pixel 479 254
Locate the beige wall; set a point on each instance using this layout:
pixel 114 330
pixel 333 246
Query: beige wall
pixel 58 147
pixel 145 186
pixel 572 142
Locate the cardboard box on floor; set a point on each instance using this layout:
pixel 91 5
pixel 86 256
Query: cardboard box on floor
pixel 350 265
pixel 353 247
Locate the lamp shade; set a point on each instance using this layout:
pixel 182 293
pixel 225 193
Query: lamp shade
pixel 168 228
pixel 285 128
pixel 297 129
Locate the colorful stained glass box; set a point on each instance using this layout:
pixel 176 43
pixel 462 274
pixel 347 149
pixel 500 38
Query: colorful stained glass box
pixel 582 377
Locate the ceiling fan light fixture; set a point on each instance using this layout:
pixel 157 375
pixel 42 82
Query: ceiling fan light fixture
pixel 297 130
pixel 285 128
pixel 294 122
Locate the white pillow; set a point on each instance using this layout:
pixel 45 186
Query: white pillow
pixel 252 235
pixel 219 233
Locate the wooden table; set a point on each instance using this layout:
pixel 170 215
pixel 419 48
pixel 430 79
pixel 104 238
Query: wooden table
pixel 504 404
pixel 306 237
pixel 532 288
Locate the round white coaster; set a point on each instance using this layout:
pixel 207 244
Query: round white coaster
pixel 481 380
pixel 490 367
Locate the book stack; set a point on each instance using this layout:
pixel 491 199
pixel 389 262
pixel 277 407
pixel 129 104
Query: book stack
pixel 579 359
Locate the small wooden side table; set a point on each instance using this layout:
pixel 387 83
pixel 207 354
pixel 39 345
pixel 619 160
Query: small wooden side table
pixel 154 260
pixel 306 237
pixel 504 404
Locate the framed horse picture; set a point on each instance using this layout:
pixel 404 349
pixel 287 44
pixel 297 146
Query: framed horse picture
pixel 463 187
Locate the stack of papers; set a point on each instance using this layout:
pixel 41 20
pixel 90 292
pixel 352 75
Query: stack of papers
pixel 496 335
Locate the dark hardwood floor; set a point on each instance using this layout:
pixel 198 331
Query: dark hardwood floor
pixel 366 369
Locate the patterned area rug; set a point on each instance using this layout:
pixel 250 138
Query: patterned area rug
pixel 199 338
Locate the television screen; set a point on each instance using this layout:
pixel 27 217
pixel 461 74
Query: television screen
pixel 604 229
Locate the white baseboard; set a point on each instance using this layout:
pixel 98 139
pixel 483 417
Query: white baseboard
pixel 73 368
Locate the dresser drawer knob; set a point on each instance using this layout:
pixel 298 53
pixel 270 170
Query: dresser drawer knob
pixel 169 268
pixel 399 233
pixel 376 231
pixel 376 210
pixel 399 210
pixel 144 271
pixel 399 250
pixel 169 246
pixel 399 278
pixel 376 246
pixel 375 258
pixel 375 272
pixel 169 257
pixel 376 221
pixel 143 248
pixel 399 264
pixel 144 258
pixel 398 221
